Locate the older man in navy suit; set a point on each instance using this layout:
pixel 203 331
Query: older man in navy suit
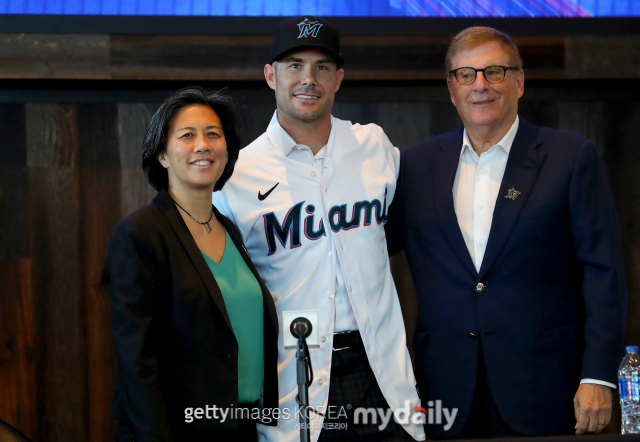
pixel 511 235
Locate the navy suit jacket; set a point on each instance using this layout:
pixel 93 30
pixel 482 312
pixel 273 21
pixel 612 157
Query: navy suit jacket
pixel 553 307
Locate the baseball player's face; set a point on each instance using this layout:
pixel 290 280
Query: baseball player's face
pixel 482 104
pixel 196 151
pixel 305 83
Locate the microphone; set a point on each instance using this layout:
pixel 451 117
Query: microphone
pixel 301 327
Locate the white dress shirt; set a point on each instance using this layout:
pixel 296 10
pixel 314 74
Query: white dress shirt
pixel 475 192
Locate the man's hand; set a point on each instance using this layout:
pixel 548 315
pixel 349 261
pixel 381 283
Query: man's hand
pixel 592 406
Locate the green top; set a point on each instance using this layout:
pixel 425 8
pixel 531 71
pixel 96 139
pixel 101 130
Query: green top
pixel 243 299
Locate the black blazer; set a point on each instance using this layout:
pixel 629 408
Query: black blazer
pixel 173 337
pixel 551 308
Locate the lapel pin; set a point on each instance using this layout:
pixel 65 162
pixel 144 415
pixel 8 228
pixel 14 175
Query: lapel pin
pixel 512 194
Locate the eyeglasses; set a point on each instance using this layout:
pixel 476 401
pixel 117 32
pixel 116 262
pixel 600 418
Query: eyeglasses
pixel 493 74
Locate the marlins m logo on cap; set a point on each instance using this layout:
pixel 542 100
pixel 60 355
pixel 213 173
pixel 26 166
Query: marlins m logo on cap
pixel 302 32
pixel 309 28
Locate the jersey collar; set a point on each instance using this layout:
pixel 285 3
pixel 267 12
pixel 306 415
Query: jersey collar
pixel 280 140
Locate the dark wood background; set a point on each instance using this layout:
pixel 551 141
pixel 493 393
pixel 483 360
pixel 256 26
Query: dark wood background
pixel 74 108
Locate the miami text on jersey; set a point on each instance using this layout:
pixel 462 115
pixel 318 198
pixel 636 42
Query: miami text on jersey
pixel 290 228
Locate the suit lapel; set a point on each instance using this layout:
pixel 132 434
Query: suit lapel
pixel 520 174
pixel 444 172
pixel 165 204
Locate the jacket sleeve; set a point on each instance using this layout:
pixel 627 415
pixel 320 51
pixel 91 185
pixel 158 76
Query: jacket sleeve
pixel 135 280
pixel 598 249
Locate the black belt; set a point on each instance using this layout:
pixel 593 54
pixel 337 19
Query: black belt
pixel 349 339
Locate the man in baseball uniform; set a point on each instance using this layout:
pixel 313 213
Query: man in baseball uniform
pixel 310 197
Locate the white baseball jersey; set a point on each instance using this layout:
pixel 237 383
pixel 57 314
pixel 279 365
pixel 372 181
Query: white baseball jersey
pixel 292 220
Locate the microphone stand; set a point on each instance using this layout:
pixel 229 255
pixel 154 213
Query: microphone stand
pixel 301 327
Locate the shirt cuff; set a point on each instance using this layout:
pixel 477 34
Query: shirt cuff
pixel 595 381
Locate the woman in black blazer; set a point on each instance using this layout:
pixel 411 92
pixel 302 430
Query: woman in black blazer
pixel 197 353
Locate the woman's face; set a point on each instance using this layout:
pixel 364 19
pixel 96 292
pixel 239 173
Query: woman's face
pixel 196 151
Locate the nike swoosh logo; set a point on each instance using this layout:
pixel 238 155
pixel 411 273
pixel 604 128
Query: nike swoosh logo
pixel 261 197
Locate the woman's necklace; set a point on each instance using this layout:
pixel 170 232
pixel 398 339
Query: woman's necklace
pixel 206 225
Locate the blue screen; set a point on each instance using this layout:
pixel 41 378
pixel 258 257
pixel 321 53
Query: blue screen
pixel 327 8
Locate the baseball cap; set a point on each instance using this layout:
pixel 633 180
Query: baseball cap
pixel 305 32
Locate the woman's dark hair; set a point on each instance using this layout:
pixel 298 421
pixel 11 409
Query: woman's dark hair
pixel 155 140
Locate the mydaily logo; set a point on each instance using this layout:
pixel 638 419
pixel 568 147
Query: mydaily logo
pixel 406 415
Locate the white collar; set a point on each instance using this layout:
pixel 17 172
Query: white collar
pixel 280 139
pixel 506 142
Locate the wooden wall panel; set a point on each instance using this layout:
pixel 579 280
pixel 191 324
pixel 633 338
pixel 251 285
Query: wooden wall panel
pixel 135 191
pixel 603 56
pixel 13 181
pixel 256 118
pixel 200 57
pixel 396 57
pixel 14 241
pixel 542 113
pixel 355 112
pixel 444 118
pixel 17 369
pixel 54 56
pixel 133 120
pixel 100 204
pixel 12 135
pixel 242 57
pixel 52 135
pixel 404 123
pixel 584 117
pixel 100 212
pixel 59 302
pixel 17 365
pixel 97 134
